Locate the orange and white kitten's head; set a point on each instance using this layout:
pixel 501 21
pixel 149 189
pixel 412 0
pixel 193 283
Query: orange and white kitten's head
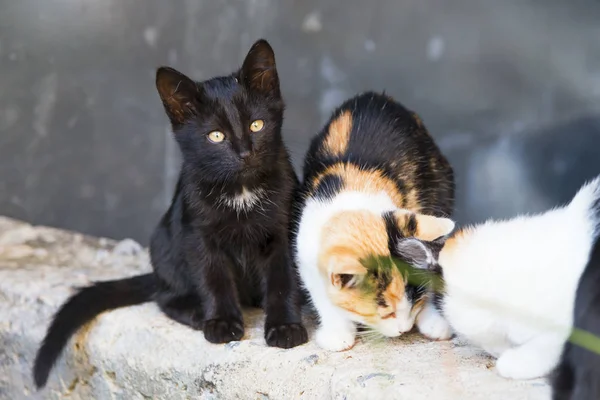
pixel 377 267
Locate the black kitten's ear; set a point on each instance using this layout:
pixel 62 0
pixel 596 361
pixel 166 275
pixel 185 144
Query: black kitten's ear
pixel 258 72
pixel 178 94
pixel 414 252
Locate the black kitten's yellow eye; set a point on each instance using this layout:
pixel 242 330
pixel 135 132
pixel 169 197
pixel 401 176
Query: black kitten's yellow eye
pixel 216 136
pixel 257 125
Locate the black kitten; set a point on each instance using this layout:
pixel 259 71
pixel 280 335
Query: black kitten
pixel 224 240
pixel 577 375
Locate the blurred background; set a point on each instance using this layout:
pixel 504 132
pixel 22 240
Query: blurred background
pixel 509 88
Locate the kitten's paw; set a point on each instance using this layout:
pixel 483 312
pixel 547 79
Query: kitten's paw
pixel 223 331
pixel 432 324
pixel 435 327
pixel 286 336
pixel 335 340
pixel 516 364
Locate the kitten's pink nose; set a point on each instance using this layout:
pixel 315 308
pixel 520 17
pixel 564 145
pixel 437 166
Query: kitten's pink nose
pixel 244 154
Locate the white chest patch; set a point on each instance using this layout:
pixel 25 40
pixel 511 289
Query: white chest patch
pixel 244 201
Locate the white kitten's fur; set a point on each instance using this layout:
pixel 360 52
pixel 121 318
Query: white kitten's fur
pixel 337 330
pixel 510 285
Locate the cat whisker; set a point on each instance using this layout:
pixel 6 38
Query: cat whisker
pixel 370 337
pixel 368 332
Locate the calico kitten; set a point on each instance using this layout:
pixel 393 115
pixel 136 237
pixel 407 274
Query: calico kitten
pixel 224 241
pixel 373 175
pixel 510 287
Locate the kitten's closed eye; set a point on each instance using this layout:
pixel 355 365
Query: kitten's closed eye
pixel 390 315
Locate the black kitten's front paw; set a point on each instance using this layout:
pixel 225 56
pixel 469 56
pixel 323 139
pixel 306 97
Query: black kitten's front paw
pixel 223 331
pixel 286 336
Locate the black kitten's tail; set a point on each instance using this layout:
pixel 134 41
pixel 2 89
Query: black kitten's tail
pixel 81 308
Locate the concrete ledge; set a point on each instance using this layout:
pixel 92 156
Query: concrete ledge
pixel 137 353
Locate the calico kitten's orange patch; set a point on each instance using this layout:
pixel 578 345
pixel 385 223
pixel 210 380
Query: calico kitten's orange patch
pixel 392 294
pixel 355 179
pixel 338 136
pixel 352 235
pixel 411 200
pixel 348 238
pixel 353 302
pixel 372 306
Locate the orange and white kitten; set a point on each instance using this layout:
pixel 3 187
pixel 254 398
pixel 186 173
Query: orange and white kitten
pixel 374 180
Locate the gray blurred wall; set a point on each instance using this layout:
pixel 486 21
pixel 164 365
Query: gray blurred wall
pixel 510 89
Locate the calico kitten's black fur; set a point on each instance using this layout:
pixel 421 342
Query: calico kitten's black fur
pixel 224 240
pixel 577 377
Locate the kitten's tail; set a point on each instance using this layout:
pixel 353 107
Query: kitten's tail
pixel 84 306
pixel 587 200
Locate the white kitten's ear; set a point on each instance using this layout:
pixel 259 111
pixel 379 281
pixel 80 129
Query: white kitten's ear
pixel 178 94
pixel 414 253
pixel 430 228
pixel 344 271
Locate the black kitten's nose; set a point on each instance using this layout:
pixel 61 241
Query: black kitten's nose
pixel 244 154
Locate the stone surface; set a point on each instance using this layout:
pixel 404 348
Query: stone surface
pixel 137 353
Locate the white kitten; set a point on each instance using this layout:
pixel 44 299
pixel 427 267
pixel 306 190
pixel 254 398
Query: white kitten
pixel 509 286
